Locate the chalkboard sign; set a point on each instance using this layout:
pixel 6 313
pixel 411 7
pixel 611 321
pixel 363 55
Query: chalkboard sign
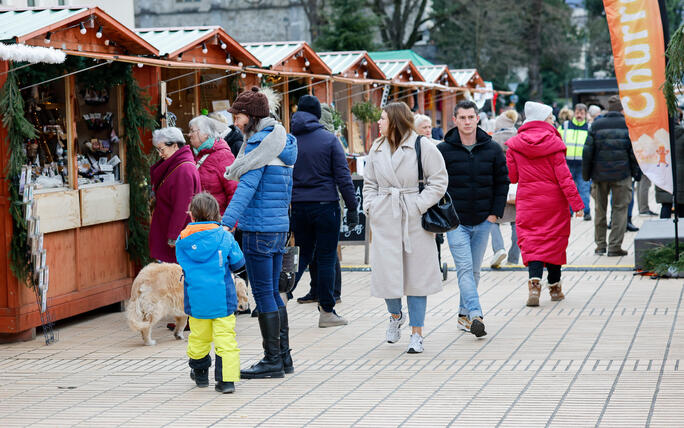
pixel 358 234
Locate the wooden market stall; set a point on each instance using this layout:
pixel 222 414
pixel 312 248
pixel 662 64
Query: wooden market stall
pixel 356 79
pixel 442 97
pixel 295 70
pixel 74 173
pixel 204 73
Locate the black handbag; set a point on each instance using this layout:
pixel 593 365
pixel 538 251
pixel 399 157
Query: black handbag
pixel 441 217
pixel 288 273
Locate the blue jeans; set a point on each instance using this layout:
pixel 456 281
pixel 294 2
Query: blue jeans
pixel 468 245
pixel 316 227
pixel 583 187
pixel 498 243
pixel 264 261
pixel 416 309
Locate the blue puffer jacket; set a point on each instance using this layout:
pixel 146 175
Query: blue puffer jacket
pixel 208 254
pixel 262 198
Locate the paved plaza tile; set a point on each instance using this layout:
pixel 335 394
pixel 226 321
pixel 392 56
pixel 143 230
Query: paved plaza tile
pixel 611 354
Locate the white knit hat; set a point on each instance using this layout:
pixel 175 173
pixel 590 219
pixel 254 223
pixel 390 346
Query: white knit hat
pixel 536 111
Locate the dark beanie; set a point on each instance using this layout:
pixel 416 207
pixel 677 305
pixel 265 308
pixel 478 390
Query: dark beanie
pixel 614 103
pixel 310 104
pixel 252 103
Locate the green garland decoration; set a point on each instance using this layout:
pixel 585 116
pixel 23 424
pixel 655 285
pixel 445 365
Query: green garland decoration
pixel 674 72
pixel 18 130
pixel 137 120
pixel 366 111
pixel 661 261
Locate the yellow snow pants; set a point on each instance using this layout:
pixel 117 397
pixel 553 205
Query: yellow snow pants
pixel 221 331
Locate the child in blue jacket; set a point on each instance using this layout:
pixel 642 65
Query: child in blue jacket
pixel 208 254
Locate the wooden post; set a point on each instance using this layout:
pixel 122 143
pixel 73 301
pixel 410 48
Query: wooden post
pixel 286 104
pixel 309 82
pixel 196 94
pixel 71 131
pixel 162 104
pixel 350 118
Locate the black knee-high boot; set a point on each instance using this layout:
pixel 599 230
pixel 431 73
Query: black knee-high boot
pixel 272 363
pixel 285 341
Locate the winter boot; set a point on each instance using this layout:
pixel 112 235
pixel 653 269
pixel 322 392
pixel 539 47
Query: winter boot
pixel 272 363
pixel 199 371
pixel 535 291
pixel 285 341
pixel 556 292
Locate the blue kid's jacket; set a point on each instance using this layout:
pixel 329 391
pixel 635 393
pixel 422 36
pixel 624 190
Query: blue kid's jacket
pixel 262 198
pixel 208 256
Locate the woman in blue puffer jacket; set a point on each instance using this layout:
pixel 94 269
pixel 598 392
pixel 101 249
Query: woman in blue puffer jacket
pixel 259 208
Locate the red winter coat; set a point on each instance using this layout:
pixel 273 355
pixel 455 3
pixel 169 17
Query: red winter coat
pixel 536 161
pixel 212 169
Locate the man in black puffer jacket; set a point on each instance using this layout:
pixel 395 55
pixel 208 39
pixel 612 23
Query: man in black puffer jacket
pixel 478 186
pixel 609 161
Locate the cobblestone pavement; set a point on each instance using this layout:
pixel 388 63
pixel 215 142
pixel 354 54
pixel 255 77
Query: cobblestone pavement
pixel 611 354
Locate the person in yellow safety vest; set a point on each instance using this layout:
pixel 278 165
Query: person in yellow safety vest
pixel 574 133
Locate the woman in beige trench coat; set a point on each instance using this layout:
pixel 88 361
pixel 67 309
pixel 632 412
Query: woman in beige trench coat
pixel 403 254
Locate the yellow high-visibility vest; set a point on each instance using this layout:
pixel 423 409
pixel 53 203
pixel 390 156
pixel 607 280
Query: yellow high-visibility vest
pixel 574 136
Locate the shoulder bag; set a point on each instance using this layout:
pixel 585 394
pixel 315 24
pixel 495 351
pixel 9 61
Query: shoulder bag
pixel 441 217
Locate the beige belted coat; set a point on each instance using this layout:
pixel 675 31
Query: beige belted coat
pixel 403 255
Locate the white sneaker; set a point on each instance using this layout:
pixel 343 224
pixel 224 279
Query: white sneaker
pixel 394 328
pixel 498 258
pixel 416 344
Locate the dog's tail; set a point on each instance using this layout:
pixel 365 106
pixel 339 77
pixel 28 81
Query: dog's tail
pixel 140 310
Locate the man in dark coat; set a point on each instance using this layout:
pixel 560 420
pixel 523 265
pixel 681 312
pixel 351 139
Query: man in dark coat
pixel 478 186
pixel 321 169
pixel 609 162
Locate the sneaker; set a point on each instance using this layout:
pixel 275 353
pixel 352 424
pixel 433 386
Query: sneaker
pixel 631 227
pixel 463 323
pixel 587 217
pixel 498 257
pixel 477 327
pixel 307 298
pixel 416 344
pixel 394 328
pixel 330 319
pixel 225 387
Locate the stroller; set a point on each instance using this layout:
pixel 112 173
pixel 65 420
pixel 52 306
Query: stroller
pixel 439 239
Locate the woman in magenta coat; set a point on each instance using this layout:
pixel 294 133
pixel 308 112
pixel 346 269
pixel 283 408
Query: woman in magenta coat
pixel 536 161
pixel 212 155
pixel 174 181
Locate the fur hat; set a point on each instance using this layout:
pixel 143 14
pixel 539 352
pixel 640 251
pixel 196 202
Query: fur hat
pixel 310 104
pixel 252 102
pixel 327 117
pixel 614 103
pixel 506 119
pixel 536 111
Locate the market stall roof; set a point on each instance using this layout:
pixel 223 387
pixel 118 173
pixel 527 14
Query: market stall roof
pixel 468 77
pixel 438 74
pixel 352 64
pixel 288 56
pixel 81 29
pixel 398 55
pixel 188 44
pixel 400 71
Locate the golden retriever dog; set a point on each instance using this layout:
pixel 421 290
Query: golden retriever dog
pixel 157 292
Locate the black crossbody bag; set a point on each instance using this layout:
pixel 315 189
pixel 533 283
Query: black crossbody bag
pixel 441 217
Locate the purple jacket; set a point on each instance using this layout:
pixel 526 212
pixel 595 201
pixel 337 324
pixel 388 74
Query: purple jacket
pixel 174 181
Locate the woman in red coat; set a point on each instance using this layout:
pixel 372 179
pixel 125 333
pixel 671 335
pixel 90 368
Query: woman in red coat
pixel 212 155
pixel 536 161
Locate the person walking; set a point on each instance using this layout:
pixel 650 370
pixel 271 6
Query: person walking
pixel 403 254
pixel 608 160
pixel 175 181
pixel 504 129
pixel 478 186
pixel 574 133
pixel 320 171
pixel 536 162
pixel 207 253
pixel 259 208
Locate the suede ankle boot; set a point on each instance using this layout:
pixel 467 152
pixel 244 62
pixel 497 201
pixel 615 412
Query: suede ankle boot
pixel 285 341
pixel 535 290
pixel 272 363
pixel 556 292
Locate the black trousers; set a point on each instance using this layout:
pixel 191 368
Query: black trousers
pixel 536 270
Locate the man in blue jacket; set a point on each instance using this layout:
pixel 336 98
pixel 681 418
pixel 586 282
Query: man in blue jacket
pixel 321 169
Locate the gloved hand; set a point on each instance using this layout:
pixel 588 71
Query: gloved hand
pixel 352 218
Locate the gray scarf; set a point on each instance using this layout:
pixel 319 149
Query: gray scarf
pixel 269 149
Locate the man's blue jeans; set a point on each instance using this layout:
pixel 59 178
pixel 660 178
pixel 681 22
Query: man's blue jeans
pixel 583 187
pixel 468 245
pixel 264 261
pixel 316 226
pixel 416 309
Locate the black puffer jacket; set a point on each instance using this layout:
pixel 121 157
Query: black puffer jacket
pixel 608 154
pixel 478 179
pixel 234 139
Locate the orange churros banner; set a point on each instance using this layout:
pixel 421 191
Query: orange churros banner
pixel 636 33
